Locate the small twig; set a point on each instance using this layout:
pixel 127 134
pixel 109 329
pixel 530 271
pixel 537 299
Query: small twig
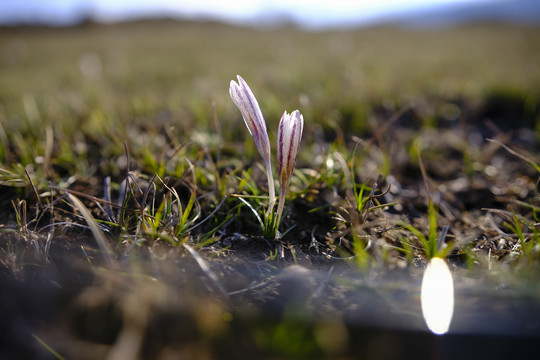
pixel 209 216
pixel 147 192
pixel 86 196
pixel 314 243
pixel 495 227
pixel 372 196
pixel 515 153
pixel 252 287
pixel 138 188
pixel 507 215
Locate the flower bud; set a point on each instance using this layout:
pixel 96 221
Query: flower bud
pixel 247 104
pixel 289 136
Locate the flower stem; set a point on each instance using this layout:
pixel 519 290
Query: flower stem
pixel 271 191
pixel 281 204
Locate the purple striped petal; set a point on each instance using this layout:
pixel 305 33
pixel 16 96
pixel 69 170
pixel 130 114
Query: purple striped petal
pixel 247 104
pixel 290 131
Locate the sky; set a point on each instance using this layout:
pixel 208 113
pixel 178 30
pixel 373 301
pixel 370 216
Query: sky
pixel 306 13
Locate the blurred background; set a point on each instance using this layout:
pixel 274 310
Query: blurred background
pixel 109 67
pixel 307 14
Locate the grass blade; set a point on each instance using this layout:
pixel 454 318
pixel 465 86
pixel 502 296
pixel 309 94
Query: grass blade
pixel 100 237
pixel 48 347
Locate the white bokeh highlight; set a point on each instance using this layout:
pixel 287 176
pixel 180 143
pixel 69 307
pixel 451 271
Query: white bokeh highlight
pixel 437 296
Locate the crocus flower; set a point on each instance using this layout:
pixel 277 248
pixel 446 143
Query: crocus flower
pixel 289 136
pixel 249 107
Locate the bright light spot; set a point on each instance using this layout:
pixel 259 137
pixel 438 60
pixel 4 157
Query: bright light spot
pixel 329 163
pixel 437 296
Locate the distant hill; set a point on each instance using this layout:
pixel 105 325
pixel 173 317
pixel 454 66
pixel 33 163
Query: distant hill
pixel 523 12
pixel 507 11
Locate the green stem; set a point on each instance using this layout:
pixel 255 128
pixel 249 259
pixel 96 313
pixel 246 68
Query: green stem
pixel 281 205
pixel 271 191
